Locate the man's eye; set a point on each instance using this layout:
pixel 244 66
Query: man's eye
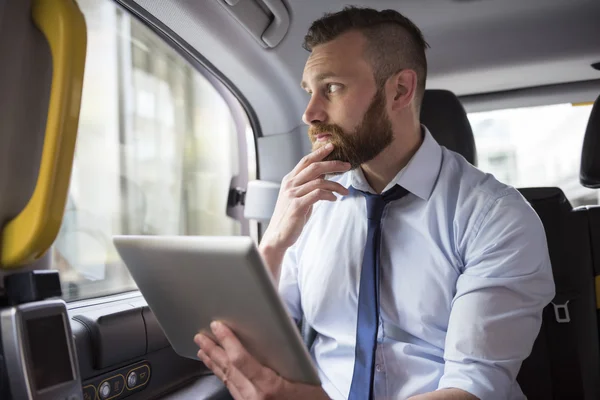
pixel 333 87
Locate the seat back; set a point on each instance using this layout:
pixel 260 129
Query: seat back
pixel 25 77
pixel 44 43
pixel 593 215
pixel 565 359
pixel 445 117
pixel 589 176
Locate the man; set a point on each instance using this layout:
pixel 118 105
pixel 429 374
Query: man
pixel 433 289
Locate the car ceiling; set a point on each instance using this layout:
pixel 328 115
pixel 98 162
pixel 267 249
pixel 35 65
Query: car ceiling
pixel 477 46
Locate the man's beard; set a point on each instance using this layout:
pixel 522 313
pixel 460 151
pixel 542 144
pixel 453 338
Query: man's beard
pixel 372 135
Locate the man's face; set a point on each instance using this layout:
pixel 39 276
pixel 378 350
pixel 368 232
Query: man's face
pixel 346 108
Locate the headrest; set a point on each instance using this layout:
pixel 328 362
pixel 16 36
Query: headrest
pixel 445 117
pixel 589 174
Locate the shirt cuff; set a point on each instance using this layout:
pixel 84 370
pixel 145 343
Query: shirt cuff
pixel 481 380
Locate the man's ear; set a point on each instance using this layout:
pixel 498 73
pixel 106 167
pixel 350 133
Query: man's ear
pixel 403 86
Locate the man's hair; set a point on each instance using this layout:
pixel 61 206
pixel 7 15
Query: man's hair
pixel 393 41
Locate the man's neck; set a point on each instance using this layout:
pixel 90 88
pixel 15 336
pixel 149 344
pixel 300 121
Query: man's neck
pixel 380 171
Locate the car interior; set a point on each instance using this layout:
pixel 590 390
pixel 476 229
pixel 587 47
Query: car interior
pixel 181 117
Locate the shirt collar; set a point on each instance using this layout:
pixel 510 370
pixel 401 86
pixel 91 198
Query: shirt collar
pixel 418 176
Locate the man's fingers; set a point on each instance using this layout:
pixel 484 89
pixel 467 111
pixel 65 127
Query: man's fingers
pixel 264 380
pixel 243 375
pixel 306 201
pixel 312 157
pixel 236 353
pixel 216 354
pixel 233 390
pixel 212 366
pixel 235 393
pixel 220 359
pixel 320 184
pixel 317 169
pixel 217 360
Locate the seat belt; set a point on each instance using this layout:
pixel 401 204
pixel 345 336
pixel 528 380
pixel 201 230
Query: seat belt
pixel 565 365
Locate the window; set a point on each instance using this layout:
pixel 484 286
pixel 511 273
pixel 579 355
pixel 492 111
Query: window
pixel 156 151
pixel 535 146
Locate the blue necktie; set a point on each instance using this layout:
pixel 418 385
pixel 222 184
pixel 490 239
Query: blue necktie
pixel 368 296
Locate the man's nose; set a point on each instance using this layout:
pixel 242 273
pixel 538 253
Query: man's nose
pixel 315 112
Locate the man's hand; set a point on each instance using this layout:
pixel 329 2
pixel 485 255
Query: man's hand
pixel 243 375
pixel 300 190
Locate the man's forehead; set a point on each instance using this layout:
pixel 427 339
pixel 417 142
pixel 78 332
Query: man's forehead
pixel 339 56
pixel 350 44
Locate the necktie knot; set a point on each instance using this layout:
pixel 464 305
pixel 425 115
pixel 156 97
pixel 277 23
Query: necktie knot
pixel 376 202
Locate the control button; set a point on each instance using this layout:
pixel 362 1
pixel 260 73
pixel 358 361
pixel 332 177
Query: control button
pixel 144 374
pixel 132 380
pixel 105 390
pixel 89 393
pixel 379 368
pixel 117 384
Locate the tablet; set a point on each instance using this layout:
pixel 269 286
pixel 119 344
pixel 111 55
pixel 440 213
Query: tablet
pixel 190 281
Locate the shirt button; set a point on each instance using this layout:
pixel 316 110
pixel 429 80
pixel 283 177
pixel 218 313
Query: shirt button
pixel 378 368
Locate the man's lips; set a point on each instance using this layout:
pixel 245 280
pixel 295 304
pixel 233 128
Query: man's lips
pixel 323 136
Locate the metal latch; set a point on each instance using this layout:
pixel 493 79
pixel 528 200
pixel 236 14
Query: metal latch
pixel 237 196
pixel 561 312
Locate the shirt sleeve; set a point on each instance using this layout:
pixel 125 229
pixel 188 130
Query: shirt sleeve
pixel 288 284
pixel 496 313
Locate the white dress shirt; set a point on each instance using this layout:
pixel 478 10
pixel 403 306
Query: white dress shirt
pixel 465 274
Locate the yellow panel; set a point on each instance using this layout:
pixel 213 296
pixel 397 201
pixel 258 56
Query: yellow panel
pixel 598 292
pixel 585 103
pixel 32 232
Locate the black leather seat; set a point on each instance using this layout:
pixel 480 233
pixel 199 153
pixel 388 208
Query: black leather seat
pixel 565 361
pixel 443 114
pixel 589 176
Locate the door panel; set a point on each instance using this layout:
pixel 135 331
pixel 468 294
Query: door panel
pixel 114 339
